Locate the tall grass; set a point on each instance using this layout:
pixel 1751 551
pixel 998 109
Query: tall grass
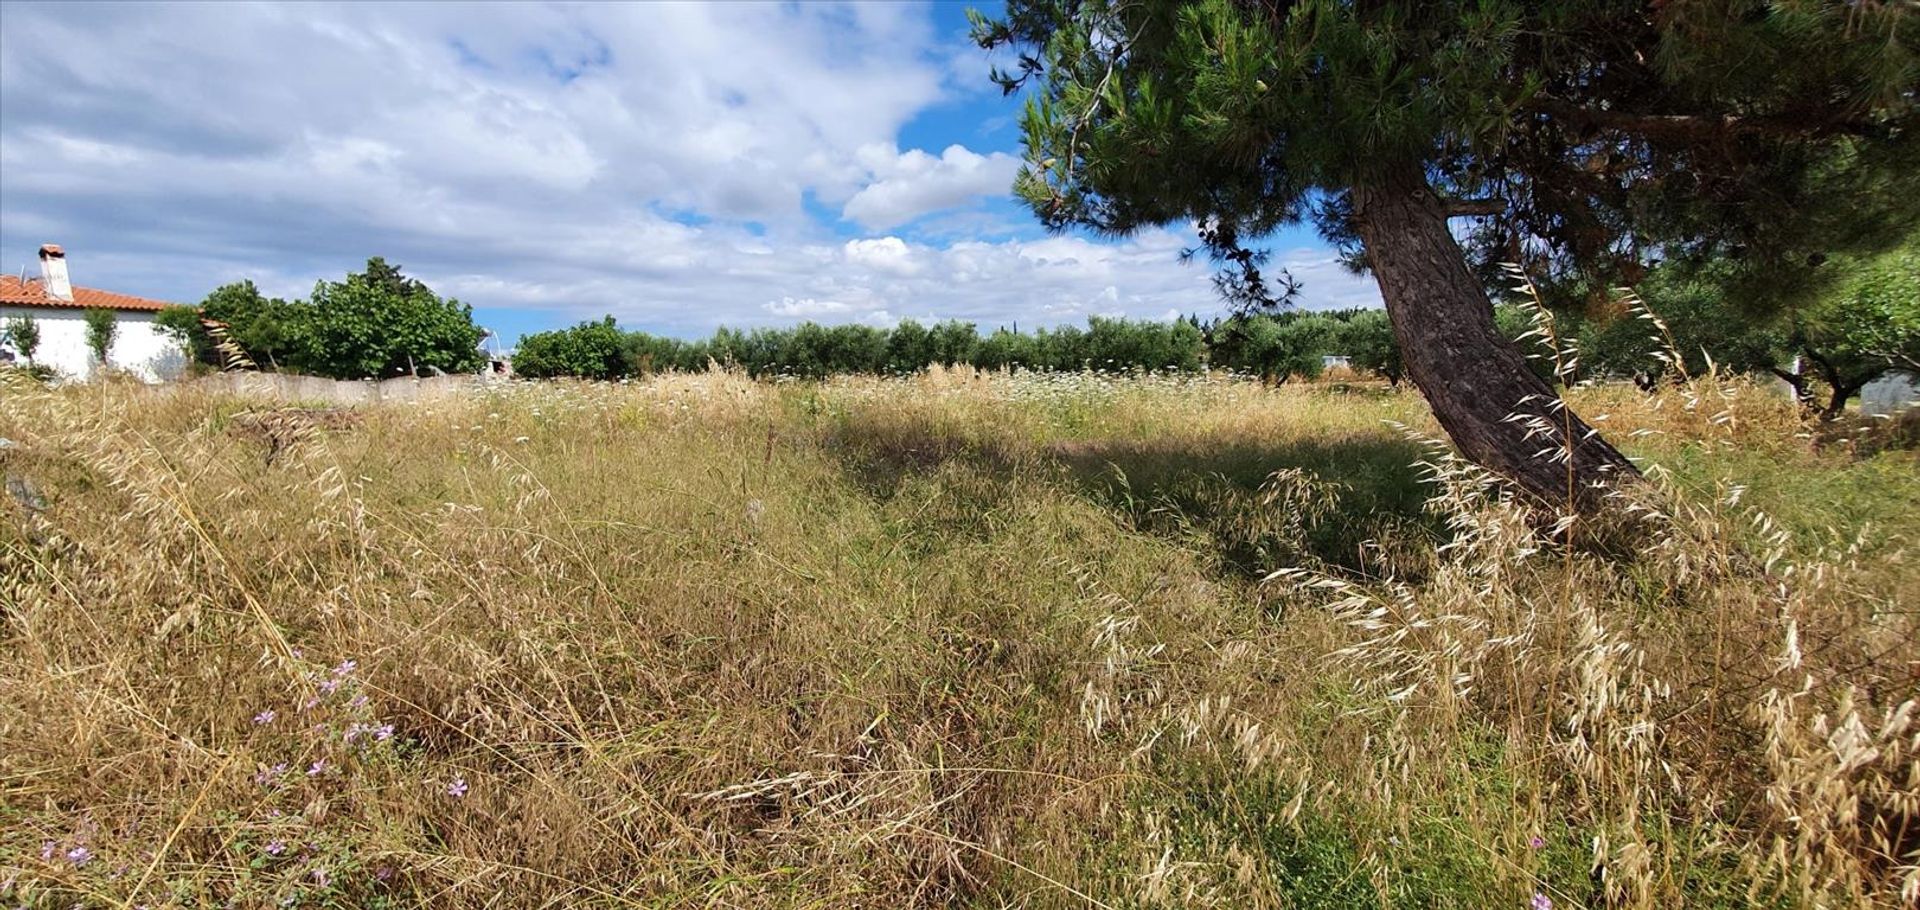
pixel 962 640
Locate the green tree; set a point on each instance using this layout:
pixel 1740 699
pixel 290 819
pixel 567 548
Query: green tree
pixel 1276 347
pixel 1005 349
pixel 23 332
pixel 1590 129
pixel 647 354
pixel 1699 327
pixel 182 323
pixel 909 347
pixel 102 325
pixel 590 350
pixel 263 327
pixel 953 342
pixel 246 322
pixel 1867 326
pixel 1367 339
pixel 380 323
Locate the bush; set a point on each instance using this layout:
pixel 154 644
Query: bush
pixel 23 333
pixel 590 350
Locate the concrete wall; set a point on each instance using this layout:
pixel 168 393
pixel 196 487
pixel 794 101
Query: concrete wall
pixel 293 387
pixel 139 346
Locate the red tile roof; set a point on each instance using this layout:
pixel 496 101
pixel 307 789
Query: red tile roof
pixel 31 293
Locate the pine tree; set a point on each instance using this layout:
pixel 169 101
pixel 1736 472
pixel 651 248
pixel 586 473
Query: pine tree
pixel 1585 132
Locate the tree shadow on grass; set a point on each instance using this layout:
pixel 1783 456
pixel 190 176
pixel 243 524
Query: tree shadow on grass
pixel 1353 502
pixel 1348 502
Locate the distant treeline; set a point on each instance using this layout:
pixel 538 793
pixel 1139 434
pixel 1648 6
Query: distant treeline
pixel 1277 347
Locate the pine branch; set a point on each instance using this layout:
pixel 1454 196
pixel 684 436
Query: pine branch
pixel 1692 127
pixel 1463 208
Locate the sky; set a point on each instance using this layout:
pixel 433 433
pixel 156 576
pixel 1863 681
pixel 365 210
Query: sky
pixel 678 167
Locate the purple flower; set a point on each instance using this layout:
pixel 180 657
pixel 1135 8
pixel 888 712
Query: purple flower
pixel 330 686
pixel 1536 842
pixel 320 877
pixel 317 768
pixel 79 855
pixel 47 849
pixel 359 701
pixel 458 788
pixel 1541 902
pixel 383 873
pixel 346 668
pixel 276 847
pixel 271 776
pixel 309 704
pixel 383 733
pixel 263 718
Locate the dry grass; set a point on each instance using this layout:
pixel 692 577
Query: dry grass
pixel 962 640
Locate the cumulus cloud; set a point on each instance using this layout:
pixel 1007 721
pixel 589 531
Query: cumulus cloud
pixel 888 255
pixel 807 308
pixel 911 184
pixel 565 160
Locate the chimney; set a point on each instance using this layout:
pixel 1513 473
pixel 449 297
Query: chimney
pixel 53 273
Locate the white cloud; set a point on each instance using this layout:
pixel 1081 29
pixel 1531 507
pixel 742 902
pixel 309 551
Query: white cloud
pixel 911 184
pixel 884 254
pixel 806 308
pixel 653 162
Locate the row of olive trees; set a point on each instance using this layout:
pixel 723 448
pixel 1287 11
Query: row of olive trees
pixel 374 323
pixel 1274 347
pixel 601 350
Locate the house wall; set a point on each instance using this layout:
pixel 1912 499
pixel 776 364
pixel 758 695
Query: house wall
pixel 139 346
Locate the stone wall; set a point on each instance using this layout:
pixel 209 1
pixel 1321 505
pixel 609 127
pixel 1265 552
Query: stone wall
pixel 296 388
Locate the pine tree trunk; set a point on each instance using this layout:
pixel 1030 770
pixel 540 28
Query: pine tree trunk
pixel 1479 385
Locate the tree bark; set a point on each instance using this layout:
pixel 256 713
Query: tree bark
pixel 1837 402
pixel 1499 414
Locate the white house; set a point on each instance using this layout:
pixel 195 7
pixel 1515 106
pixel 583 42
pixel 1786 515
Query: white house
pixel 58 307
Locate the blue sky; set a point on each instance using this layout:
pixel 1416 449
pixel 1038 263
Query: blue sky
pixel 679 166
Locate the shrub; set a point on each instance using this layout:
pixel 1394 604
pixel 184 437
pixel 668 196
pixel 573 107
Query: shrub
pixel 102 325
pixel 23 333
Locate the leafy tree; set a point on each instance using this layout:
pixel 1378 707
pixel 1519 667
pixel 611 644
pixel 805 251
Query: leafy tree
pixel 1367 339
pixel 261 329
pixel 1882 305
pixel 381 323
pixel 1004 349
pixel 264 328
pixel 102 325
pixel 590 350
pixel 182 323
pixel 1591 130
pixel 23 332
pixel 1276 348
pixel 645 354
pixel 909 347
pixel 1868 326
pixel 952 342
pixel 1699 326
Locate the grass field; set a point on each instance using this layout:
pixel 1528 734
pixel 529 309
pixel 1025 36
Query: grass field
pixel 974 641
